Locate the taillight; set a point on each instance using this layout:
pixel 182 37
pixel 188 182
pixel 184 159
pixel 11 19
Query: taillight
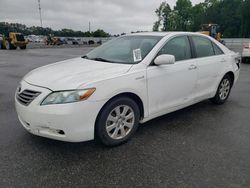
pixel 247 46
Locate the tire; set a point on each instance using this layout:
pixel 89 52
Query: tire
pixel 10 46
pixel 245 59
pixel 223 90
pixel 23 47
pixel 113 127
pixel 7 45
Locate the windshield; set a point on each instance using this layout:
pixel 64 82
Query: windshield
pixel 126 49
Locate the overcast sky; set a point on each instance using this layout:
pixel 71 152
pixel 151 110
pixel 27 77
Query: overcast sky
pixel 114 16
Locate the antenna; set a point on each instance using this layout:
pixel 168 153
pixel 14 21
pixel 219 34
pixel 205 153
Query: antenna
pixel 40 13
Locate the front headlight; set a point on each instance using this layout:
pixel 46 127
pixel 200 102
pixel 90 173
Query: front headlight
pixel 62 97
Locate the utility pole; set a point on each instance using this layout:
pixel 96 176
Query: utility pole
pixel 89 27
pixel 40 13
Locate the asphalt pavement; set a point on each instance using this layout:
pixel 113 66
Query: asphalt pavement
pixel 200 146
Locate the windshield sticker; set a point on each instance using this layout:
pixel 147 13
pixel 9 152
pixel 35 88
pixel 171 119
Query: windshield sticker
pixel 137 55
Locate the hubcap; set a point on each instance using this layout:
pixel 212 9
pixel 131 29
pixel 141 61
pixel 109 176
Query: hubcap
pixel 120 122
pixel 224 89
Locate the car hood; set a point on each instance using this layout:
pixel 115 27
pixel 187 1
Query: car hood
pixel 72 73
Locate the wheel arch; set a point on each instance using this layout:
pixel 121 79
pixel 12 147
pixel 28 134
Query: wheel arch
pixel 231 74
pixel 130 95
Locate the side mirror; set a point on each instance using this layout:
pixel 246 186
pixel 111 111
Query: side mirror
pixel 164 60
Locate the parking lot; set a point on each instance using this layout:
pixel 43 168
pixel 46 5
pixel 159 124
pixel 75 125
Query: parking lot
pixel 200 146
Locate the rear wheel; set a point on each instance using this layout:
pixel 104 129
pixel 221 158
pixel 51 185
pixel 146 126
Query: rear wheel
pixel 118 121
pixel 7 45
pixel 23 47
pixel 223 90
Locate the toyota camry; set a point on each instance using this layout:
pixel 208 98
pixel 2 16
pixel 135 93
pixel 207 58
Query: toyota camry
pixel 129 80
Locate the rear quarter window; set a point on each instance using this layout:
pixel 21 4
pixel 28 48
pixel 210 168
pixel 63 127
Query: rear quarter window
pixel 217 50
pixel 203 47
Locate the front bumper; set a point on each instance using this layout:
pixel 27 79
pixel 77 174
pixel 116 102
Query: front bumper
pixel 74 122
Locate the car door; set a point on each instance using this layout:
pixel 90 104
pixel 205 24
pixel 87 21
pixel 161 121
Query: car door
pixel 209 63
pixel 172 85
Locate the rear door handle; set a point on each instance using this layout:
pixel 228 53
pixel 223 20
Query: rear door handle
pixel 192 67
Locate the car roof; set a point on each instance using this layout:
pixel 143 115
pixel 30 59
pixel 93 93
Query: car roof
pixel 163 34
pixel 151 33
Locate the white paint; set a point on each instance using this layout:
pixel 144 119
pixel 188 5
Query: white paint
pixel 162 89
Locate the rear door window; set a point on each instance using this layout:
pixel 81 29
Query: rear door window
pixel 203 47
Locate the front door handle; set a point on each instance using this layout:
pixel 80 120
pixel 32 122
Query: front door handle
pixel 192 67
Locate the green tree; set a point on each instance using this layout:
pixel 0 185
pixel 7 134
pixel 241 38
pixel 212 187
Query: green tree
pixel 5 28
pixel 100 33
pixel 197 16
pixel 245 18
pixel 183 10
pixel 163 13
pixel 232 16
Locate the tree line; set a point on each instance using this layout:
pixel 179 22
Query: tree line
pixel 5 28
pixel 233 16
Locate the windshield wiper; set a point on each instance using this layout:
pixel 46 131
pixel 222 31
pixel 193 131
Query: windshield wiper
pixel 98 59
pixel 85 57
pixel 101 59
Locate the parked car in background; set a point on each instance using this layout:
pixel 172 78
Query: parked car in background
pixel 30 38
pixel 63 40
pixel 129 80
pixel 99 42
pixel 91 42
pixel 72 41
pixel 246 53
pixel 39 39
pixel 1 41
pixel 79 41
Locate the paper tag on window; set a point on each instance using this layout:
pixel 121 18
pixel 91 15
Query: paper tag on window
pixel 137 55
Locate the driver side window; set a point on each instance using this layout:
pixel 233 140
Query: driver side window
pixel 178 47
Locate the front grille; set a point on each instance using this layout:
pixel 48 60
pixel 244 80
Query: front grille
pixel 27 96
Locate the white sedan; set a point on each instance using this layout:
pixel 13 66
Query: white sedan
pixel 246 53
pixel 132 79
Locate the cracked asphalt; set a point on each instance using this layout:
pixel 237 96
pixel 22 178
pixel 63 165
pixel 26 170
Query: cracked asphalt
pixel 200 146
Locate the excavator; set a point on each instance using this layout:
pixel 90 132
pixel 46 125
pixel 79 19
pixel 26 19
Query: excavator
pixel 12 40
pixel 212 30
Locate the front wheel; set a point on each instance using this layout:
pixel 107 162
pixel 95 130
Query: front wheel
pixel 10 46
pixel 117 121
pixel 223 90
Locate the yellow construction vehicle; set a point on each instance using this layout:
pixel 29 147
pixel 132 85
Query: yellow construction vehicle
pixel 13 40
pixel 212 30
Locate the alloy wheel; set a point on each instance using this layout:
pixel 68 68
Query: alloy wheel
pixel 224 89
pixel 120 122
